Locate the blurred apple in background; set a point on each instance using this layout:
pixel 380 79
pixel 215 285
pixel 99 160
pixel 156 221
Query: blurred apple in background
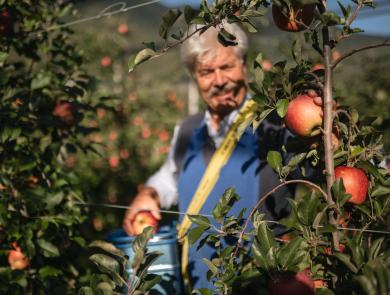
pixel 65 111
pixel 16 258
pixel 105 62
pixel 123 29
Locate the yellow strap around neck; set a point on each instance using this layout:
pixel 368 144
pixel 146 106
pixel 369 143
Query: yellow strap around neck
pixel 210 178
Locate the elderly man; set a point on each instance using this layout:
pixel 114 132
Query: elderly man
pixel 220 74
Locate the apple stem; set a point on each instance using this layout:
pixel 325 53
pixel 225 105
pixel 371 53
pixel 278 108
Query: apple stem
pixel 328 124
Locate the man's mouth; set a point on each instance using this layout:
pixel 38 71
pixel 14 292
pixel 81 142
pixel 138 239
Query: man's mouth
pixel 225 94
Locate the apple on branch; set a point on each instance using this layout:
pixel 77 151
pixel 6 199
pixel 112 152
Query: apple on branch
pixel 291 284
pixel 355 182
pixel 142 220
pixel 304 116
pixel 295 19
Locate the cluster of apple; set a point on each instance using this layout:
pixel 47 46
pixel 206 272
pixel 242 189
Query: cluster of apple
pixel 304 117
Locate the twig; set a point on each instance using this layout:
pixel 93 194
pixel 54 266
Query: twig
pixel 328 125
pixel 350 20
pixel 341 58
pixel 258 204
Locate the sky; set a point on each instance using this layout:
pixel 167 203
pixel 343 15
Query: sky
pixel 372 21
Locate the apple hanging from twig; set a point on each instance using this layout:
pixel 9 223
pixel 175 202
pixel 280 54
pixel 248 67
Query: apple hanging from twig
pixel 304 116
pixel 355 182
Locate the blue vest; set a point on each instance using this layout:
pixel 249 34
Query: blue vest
pixel 247 172
pixel 241 173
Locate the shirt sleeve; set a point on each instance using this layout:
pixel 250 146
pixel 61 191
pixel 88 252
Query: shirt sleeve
pixel 164 180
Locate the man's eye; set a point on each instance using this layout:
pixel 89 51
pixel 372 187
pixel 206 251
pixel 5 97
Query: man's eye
pixel 205 72
pixel 227 67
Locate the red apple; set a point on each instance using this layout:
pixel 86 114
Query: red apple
pixel 303 116
pixel 317 67
pixel 355 182
pixel 299 283
pixel 123 29
pixel 298 18
pixel 16 258
pixel 320 284
pixel 266 65
pixel 144 219
pixel 65 111
pixel 105 62
pixel 329 250
pixel 6 23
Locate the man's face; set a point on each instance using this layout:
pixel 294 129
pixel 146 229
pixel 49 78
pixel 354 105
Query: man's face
pixel 221 79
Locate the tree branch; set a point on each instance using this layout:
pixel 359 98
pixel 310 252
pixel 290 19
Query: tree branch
pixel 261 201
pixel 341 58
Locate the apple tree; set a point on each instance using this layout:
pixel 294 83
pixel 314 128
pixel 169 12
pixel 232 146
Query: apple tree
pixel 336 236
pixel 45 98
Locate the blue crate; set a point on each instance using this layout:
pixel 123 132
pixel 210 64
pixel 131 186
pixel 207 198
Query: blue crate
pixel 167 265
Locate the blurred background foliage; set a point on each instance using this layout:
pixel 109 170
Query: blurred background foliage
pixel 146 104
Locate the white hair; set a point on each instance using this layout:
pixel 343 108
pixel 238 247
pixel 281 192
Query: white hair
pixel 203 43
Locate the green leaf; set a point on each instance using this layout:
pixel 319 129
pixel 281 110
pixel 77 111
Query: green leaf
pixel 330 19
pixel 86 291
pixel 140 57
pixel 356 151
pixel 380 190
pixel 226 38
pixel 108 265
pixel 265 238
pixel 339 193
pixel 203 291
pixel 281 107
pixel 200 220
pixel 48 248
pixel 149 281
pixel 368 167
pixel 195 233
pixel 189 14
pixel 41 80
pixel 296 51
pixel 289 252
pixel 259 119
pixel 168 20
pixel 346 260
pixel 49 271
pixel 307 209
pixel 212 267
pixel 274 159
pixel 108 247
pixel 375 248
pixel 343 9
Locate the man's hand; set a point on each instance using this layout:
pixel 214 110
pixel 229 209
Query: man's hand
pixel 146 199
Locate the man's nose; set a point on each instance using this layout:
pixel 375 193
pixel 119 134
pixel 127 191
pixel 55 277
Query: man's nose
pixel 220 78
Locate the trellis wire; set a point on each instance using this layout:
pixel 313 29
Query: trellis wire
pixel 209 215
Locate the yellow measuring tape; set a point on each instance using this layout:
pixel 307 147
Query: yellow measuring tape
pixel 210 178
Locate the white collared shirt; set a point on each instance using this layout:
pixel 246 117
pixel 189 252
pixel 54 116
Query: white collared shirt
pixel 165 179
